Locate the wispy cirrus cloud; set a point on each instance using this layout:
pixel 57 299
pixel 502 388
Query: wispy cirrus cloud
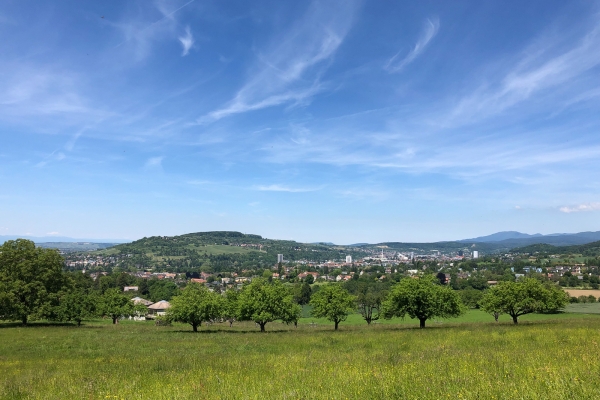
pixel 187 41
pixel 398 62
pixel 289 71
pixel 548 68
pixel 580 208
pixel 139 34
pixel 282 188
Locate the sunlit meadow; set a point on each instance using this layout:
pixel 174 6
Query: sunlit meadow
pixel 541 359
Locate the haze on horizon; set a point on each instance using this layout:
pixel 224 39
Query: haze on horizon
pixel 315 121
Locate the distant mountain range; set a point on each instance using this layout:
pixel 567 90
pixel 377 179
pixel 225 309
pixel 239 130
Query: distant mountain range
pixel 59 239
pixel 517 239
pixel 494 243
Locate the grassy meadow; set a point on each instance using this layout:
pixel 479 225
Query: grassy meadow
pixel 551 358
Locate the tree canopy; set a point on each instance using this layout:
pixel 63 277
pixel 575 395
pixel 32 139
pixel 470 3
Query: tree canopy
pixel 422 298
pixel 115 305
pixel 263 302
pixel 523 297
pixel 195 305
pixel 30 280
pixel 332 302
pixel 76 305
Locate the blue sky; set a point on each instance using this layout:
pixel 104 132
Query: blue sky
pixel 326 121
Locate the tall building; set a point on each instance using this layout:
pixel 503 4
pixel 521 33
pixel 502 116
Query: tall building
pixel 279 258
pixel 475 254
pixel 348 259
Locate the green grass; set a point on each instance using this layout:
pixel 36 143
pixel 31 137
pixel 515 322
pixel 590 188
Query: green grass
pixel 587 308
pixel 222 249
pixel 543 359
pixel 471 316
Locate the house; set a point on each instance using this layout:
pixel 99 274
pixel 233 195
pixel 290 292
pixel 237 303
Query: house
pixel 139 300
pixel 303 275
pixel 198 280
pixel 159 308
pixel 130 289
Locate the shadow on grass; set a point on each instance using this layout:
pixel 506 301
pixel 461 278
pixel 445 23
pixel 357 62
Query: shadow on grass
pixel 36 324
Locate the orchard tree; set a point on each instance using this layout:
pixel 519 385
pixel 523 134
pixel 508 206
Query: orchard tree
pixel 523 297
pixel 302 293
pixel 230 306
pixel 422 298
pixel 262 302
pixel 115 305
pixel 332 302
pixel 369 304
pixel 291 312
pixel 76 306
pixel 30 280
pixel 194 305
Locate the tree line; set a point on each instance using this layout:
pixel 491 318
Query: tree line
pixel 34 286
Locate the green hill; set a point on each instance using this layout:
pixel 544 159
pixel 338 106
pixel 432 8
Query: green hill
pixel 587 250
pixel 219 251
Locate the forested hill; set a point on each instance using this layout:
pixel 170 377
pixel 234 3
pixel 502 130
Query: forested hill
pixel 220 250
pixel 588 249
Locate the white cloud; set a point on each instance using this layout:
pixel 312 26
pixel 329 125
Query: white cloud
pixel 395 64
pixel 154 162
pixel 140 35
pixel 187 42
pixel 290 70
pixel 52 233
pixel 280 188
pixel 581 208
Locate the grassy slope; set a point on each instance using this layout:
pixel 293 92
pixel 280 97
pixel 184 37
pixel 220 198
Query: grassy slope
pixel 535 360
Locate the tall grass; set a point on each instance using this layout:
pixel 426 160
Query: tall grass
pixel 552 359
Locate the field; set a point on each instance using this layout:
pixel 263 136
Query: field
pixel 582 292
pixel 553 358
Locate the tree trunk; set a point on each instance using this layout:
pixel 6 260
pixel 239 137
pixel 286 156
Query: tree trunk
pixel 115 320
pixel 78 322
pixel 514 317
pixel 422 322
pixel 195 327
pixel 262 326
pixel 336 325
pixel 24 320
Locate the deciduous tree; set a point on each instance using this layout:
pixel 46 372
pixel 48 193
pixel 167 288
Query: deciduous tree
pixel 369 304
pixel 114 304
pixel 422 298
pixel 195 304
pixel 332 302
pixel 30 280
pixel 230 306
pixel 76 305
pixel 263 302
pixel 523 297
